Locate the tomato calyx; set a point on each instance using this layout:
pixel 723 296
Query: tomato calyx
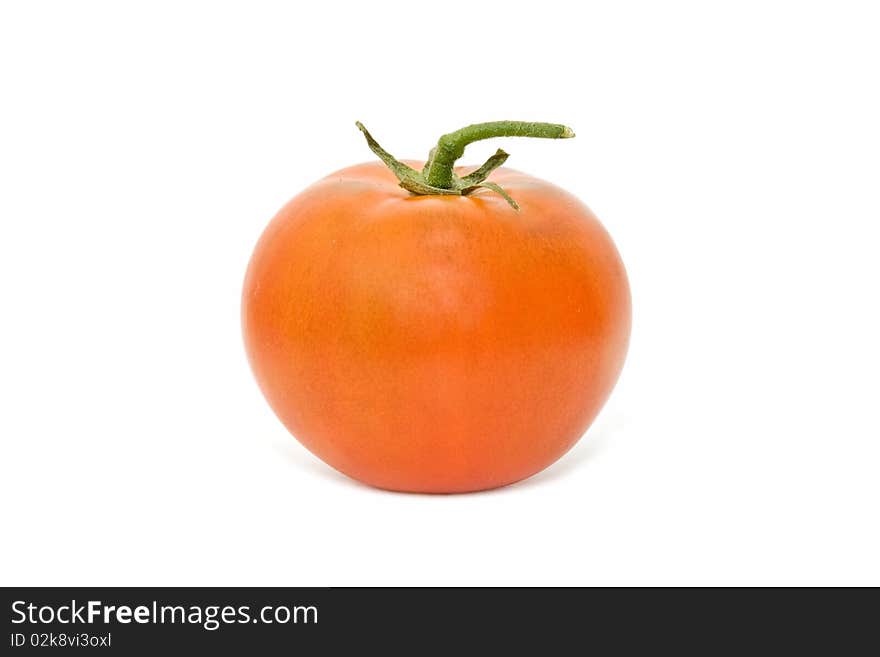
pixel 438 175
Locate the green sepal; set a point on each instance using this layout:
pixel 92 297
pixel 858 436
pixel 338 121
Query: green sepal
pixel 401 170
pixel 495 187
pixel 416 186
pixel 415 182
pixel 479 175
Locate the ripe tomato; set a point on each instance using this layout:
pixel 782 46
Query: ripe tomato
pixel 435 343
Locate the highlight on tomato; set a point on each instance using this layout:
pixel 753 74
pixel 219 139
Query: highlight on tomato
pixel 420 327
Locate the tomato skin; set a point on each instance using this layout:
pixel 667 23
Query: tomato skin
pixel 436 344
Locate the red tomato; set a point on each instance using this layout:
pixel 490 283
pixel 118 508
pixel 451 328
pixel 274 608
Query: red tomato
pixel 435 343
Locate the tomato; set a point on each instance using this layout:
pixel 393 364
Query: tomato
pixel 435 343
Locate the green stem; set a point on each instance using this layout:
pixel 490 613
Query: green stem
pixel 439 169
pixel 438 176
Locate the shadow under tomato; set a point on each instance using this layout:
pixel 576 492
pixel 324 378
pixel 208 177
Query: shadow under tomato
pixel 302 459
pixel 593 443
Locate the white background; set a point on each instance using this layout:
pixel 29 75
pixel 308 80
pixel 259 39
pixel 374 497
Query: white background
pixel 731 149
